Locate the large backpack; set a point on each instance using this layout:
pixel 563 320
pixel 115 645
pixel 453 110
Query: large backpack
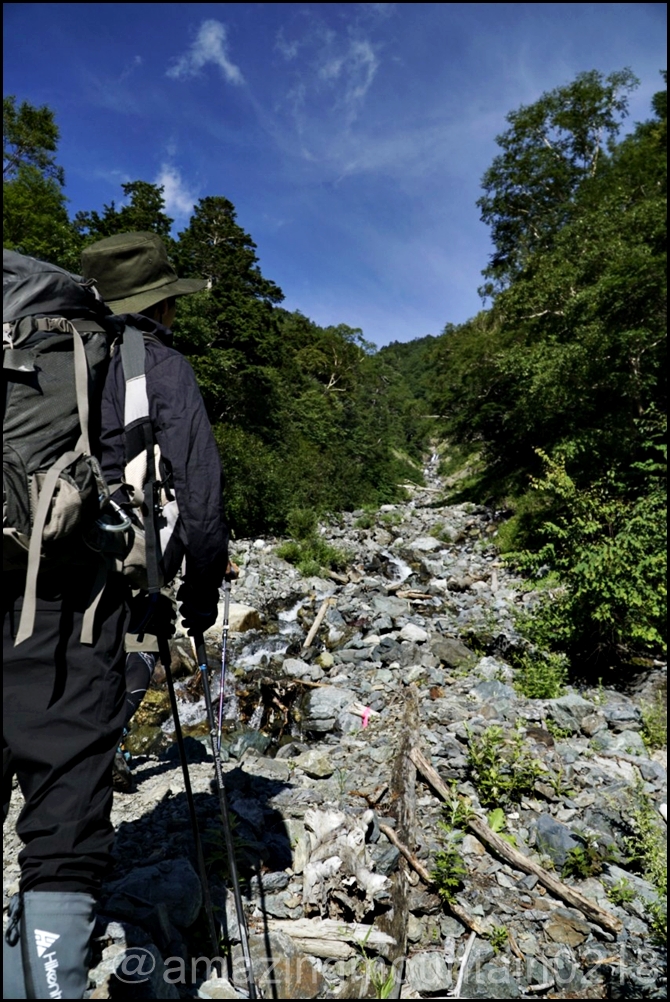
pixel 57 339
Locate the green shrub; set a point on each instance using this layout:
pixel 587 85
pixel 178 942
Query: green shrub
pixel 301 522
pixel 502 766
pixel 609 552
pixel 365 521
pixel 312 555
pixel 622 892
pixel 584 861
pixel 655 722
pixel 449 868
pixel 540 675
pixel 648 852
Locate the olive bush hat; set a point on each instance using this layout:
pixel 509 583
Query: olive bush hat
pixel 132 272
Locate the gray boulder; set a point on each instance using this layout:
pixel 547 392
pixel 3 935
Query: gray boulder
pixel 554 839
pixel 493 689
pixel 453 653
pixel 569 711
pixel 492 981
pixel 427 971
pixel 322 707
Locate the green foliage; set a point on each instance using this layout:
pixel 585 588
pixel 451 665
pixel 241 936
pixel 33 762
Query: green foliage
pixel 439 532
pixel 540 674
pixel 610 552
pixel 35 219
pixel 655 722
pixel 302 522
pixel 29 139
pixel 143 212
pixel 621 892
pixel 648 852
pixel 647 846
pixel 389 518
pixel 497 822
pixel 382 981
pixel 551 148
pixel 34 213
pixel 502 766
pixel 498 938
pixel 587 860
pixel 449 869
pixel 563 379
pixel 312 555
pixel 557 732
pixel 365 521
pixel 456 811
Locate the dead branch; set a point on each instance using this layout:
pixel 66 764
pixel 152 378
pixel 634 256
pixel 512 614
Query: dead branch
pixel 419 868
pixel 517 859
pixel 464 965
pixel 317 623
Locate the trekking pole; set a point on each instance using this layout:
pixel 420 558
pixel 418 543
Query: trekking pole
pixel 224 657
pixel 230 849
pixel 164 651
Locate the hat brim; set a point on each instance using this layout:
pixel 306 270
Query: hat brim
pixel 143 300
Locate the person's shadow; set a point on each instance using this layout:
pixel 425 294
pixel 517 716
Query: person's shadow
pixel 262 848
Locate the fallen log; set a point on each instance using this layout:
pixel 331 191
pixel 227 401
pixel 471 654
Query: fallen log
pixel 331 938
pixel 516 859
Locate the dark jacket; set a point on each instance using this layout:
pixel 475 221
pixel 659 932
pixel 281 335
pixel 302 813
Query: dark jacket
pixel 187 445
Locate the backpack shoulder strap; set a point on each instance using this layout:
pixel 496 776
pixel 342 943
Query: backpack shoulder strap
pixel 139 435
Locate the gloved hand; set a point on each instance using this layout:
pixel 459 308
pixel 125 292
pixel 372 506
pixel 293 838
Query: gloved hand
pixel 232 572
pixel 199 607
pixel 156 616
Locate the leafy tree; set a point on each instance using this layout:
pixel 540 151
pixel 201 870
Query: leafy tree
pixel 550 149
pixel 34 218
pixel 144 212
pixel 30 138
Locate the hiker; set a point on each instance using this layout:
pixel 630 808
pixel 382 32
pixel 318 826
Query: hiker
pixel 64 682
pixel 134 277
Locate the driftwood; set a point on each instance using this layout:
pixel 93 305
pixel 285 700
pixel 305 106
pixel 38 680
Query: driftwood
pixel 514 946
pixel 331 938
pixel 464 966
pixel 416 865
pixel 417 596
pixel 517 859
pixel 317 623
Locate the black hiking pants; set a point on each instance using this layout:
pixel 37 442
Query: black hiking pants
pixel 64 708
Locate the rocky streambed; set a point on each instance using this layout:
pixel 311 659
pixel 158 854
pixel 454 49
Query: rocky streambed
pixel 407 823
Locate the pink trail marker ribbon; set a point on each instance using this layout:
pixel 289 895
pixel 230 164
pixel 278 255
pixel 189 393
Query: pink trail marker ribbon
pixel 365 715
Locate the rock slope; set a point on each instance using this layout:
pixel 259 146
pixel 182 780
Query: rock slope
pixel 411 655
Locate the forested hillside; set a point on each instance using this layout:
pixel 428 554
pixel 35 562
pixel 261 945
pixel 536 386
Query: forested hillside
pixel 560 384
pixel 556 390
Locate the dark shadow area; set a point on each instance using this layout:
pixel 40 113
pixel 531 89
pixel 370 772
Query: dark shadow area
pixel 163 836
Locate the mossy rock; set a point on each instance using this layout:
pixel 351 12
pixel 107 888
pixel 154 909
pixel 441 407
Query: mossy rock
pixel 144 740
pixel 200 730
pixel 153 710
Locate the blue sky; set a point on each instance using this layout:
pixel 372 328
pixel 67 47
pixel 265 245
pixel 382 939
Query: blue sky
pixel 350 137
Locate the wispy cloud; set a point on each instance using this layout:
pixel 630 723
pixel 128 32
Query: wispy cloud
pixel 210 46
pixel 128 70
pixel 378 9
pixel 288 49
pixel 179 199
